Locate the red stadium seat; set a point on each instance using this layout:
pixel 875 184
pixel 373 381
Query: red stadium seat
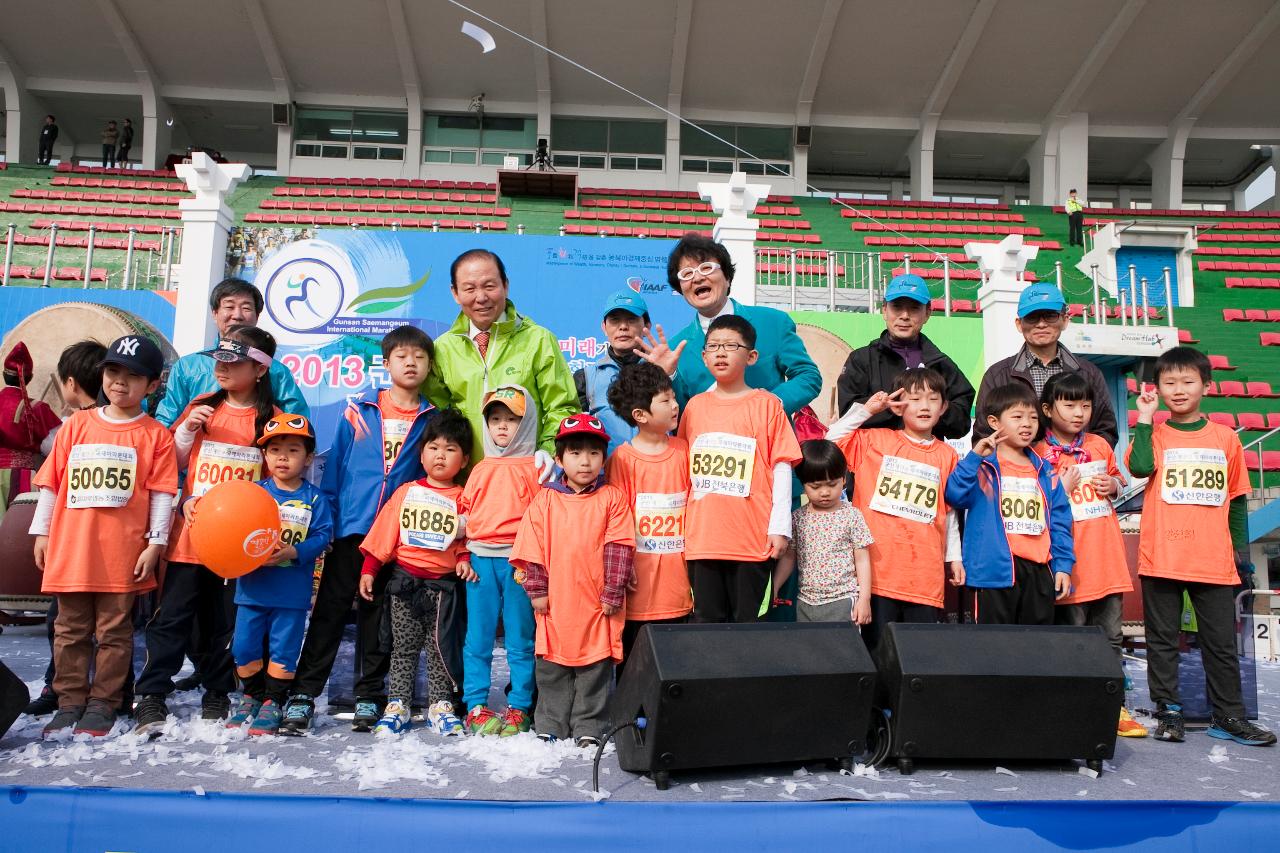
pixel 1228 388
pixel 1225 418
pixel 1255 315
pixel 1232 315
pixel 1269 339
pixel 1260 389
pixel 1220 362
pixel 1271 460
pixel 1252 421
pixel 1133 419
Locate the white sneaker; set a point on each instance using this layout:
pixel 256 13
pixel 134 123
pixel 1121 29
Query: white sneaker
pixel 442 720
pixel 395 719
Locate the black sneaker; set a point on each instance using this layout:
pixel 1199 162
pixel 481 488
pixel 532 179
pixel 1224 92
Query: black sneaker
pixel 149 716
pixel 587 742
pixel 214 706
pixel 99 717
pixel 297 715
pixel 191 682
pixel 367 715
pixel 1172 727
pixel 63 721
pixel 45 703
pixel 1240 731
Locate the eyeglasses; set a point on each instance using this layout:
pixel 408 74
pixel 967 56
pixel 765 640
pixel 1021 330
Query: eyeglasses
pixel 1042 318
pixel 725 346
pixel 703 269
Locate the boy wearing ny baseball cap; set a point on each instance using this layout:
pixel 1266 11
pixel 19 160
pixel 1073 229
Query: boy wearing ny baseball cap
pixel 625 323
pixel 577 537
pixel 101 525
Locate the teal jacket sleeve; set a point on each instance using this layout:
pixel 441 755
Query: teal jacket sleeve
pixel 288 394
pixel 1062 549
pixel 802 381
pixel 319 533
pixel 177 393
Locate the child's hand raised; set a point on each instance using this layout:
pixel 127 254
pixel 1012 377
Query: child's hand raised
pixel 987 446
pixel 198 418
pixel 465 571
pixel 1147 403
pixel 366 587
pixel 880 401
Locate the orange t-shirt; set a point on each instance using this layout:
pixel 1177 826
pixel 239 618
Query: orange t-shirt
pixel 395 427
pixel 1101 567
pixel 566 534
pixel 1025 511
pixel 224 450
pixel 499 490
pixel 657 490
pixel 1185 531
pixel 104 474
pixel 899 486
pixel 733 446
pixel 417 529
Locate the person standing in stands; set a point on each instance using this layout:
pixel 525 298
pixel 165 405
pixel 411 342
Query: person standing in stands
pixel 1041 320
pixel 901 346
pixel 48 136
pixel 126 142
pixel 626 320
pixel 1075 219
pixel 110 135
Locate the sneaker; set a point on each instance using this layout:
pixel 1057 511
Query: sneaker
pixel 587 742
pixel 267 720
pixel 482 721
pixel 1172 727
pixel 366 715
pixel 546 738
pixel 98 719
pixel 65 720
pixel 246 710
pixel 514 721
pixel 45 703
pixel 214 706
pixel 298 712
pixel 150 715
pixel 1128 726
pixel 1240 731
pixel 395 720
pixel 442 720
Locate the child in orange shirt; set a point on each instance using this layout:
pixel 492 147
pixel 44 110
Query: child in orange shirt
pixel 499 489
pixel 416 532
pixel 106 502
pixel 576 548
pixel 899 481
pixel 215 441
pixel 1194 513
pixel 1087 467
pixel 741 449
pixel 653 472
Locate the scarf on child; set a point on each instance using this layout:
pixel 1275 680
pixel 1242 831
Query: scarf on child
pixel 1057 449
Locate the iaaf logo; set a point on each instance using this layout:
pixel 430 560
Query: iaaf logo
pixel 639 285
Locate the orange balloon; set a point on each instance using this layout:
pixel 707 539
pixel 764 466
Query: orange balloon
pixel 236 528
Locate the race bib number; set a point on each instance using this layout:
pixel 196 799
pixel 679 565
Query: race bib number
pixel 219 462
pixel 720 463
pixel 660 523
pixel 295 521
pixel 428 519
pixel 1086 503
pixel 1194 475
pixel 907 489
pixel 394 431
pixel 1021 506
pixel 101 475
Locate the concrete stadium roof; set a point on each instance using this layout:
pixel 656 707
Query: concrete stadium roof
pixel 866 74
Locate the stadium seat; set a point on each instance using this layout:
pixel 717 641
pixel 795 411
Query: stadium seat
pixel 1273 315
pixel 1269 339
pixel 1271 460
pixel 1255 315
pixel 1251 460
pixel 1260 389
pixel 1273 420
pixel 1225 418
pixel 1184 337
pixel 1133 419
pixel 1160 417
pixel 1221 362
pixel 1232 315
pixel 1228 388
pixel 1252 421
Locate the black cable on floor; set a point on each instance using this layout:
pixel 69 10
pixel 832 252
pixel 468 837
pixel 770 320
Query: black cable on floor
pixel 639 723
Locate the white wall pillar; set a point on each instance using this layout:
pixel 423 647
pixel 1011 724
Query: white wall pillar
pixel 206 221
pixel 1042 161
pixel 735 230
pixel 799 168
pixel 157 133
pixel 24 116
pixel 1124 197
pixel 1166 171
pixel 1003 264
pixel 921 157
pixel 1073 157
pixel 284 149
pixel 896 190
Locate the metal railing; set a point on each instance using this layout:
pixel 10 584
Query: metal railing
pixel 45 255
pixel 1262 468
pixel 850 279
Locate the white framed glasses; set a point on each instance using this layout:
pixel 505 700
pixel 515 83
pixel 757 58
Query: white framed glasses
pixel 704 269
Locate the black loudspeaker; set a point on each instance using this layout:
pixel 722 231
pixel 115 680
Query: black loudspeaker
pixel 13 698
pixel 282 114
pixel 722 695
pixel 804 135
pixel 999 692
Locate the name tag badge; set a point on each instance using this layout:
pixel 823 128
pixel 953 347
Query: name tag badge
pixel 721 463
pixel 907 489
pixel 219 462
pixel 1086 503
pixel 660 523
pixel 1021 506
pixel 428 520
pixel 1194 475
pixel 101 476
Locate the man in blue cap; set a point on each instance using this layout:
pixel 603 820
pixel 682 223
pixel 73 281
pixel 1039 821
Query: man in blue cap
pixel 1041 320
pixel 626 321
pixel 876 366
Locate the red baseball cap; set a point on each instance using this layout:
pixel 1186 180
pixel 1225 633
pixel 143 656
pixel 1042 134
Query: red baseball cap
pixel 582 424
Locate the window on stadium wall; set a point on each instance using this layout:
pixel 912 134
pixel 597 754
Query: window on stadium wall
pixel 631 145
pixel 460 139
pixel 702 153
pixel 341 134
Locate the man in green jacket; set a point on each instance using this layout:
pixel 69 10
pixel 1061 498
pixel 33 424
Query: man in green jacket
pixel 491 344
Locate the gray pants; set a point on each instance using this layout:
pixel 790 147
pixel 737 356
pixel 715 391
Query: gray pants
pixel 1103 612
pixel 572 700
pixel 840 610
